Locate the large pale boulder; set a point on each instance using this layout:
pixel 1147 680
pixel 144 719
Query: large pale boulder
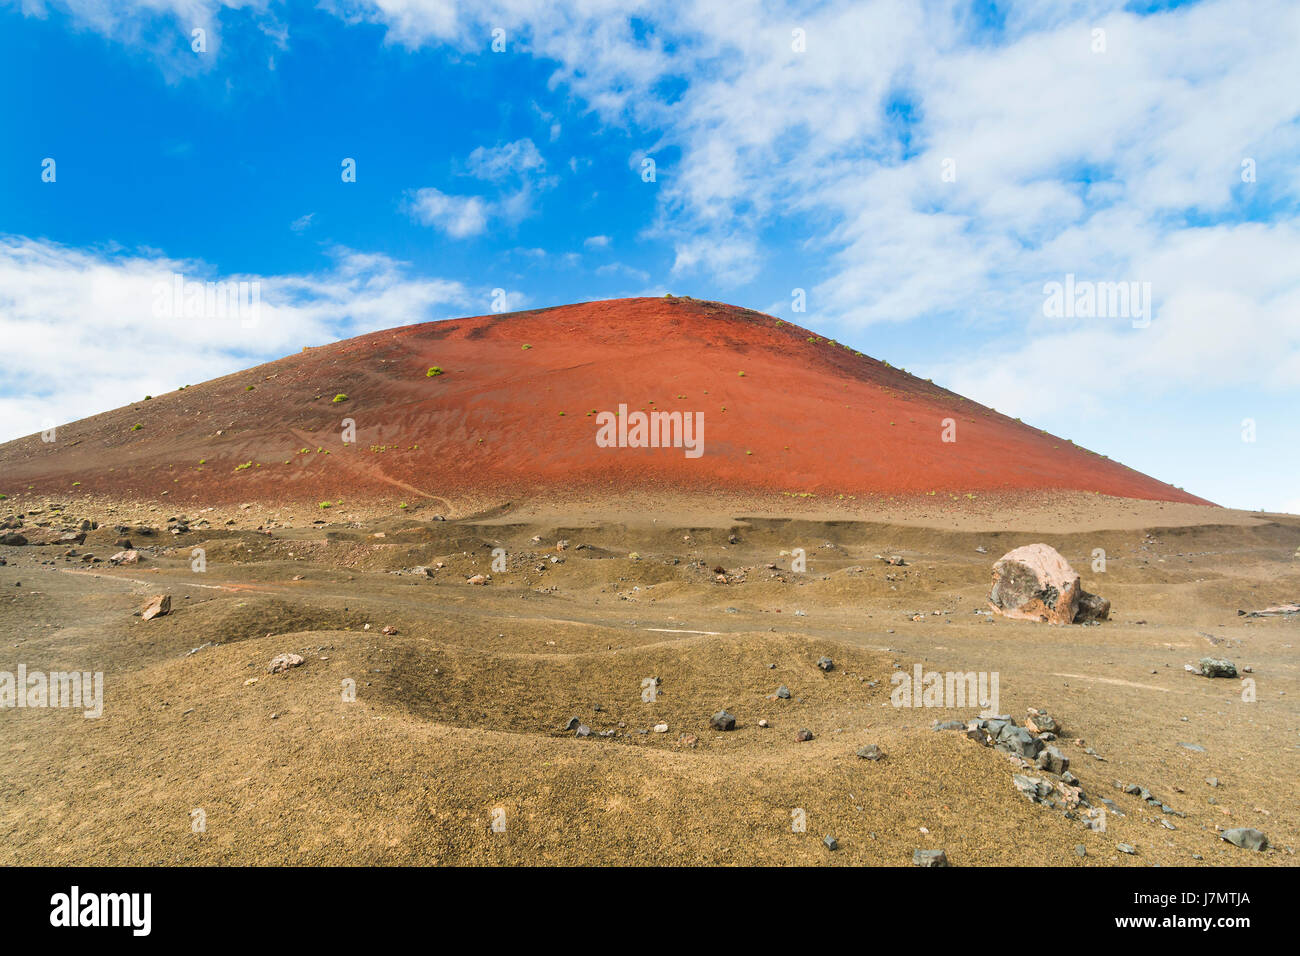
pixel 1035 583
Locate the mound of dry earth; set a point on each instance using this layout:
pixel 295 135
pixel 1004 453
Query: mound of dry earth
pixel 461 691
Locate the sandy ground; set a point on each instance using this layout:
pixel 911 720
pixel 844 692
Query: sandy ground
pixel 457 715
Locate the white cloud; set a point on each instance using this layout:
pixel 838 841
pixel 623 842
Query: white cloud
pixel 1226 300
pixel 596 242
pixel 1104 165
pixel 518 159
pixel 620 268
pixel 518 163
pixel 457 216
pixel 136 25
pixel 731 260
pixel 81 334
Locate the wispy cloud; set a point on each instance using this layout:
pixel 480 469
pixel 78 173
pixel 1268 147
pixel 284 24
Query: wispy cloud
pixel 95 311
pixel 518 168
pixel 458 216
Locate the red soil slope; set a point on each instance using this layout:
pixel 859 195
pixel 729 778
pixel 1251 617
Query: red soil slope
pixel 511 415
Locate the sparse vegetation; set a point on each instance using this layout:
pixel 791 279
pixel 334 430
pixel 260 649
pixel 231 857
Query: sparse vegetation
pixel 247 464
pixel 136 427
pixel 340 397
pixel 434 370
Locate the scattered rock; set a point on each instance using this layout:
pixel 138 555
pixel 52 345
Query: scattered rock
pixel 157 607
pixel 825 663
pixel 282 662
pixel 660 728
pixel 1276 611
pixel 478 579
pixel 870 752
pixel 783 692
pixel 1041 722
pixel 1018 741
pixel 1034 789
pixel 830 843
pixel 1248 838
pixel 804 735
pixel 573 724
pixel 1217 667
pixel 1092 607
pixel 722 721
pixel 583 731
pixel 125 557
pixel 929 858
pixel 1126 848
pixel 1053 761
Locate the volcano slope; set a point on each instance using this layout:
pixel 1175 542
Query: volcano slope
pixel 630 589
pixel 465 412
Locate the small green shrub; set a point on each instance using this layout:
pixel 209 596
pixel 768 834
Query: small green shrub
pixel 340 397
pixel 434 370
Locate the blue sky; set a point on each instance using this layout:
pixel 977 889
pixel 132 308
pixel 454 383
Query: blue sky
pixel 920 170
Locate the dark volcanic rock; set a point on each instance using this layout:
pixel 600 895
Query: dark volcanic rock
pixel 1248 838
pixel 722 721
